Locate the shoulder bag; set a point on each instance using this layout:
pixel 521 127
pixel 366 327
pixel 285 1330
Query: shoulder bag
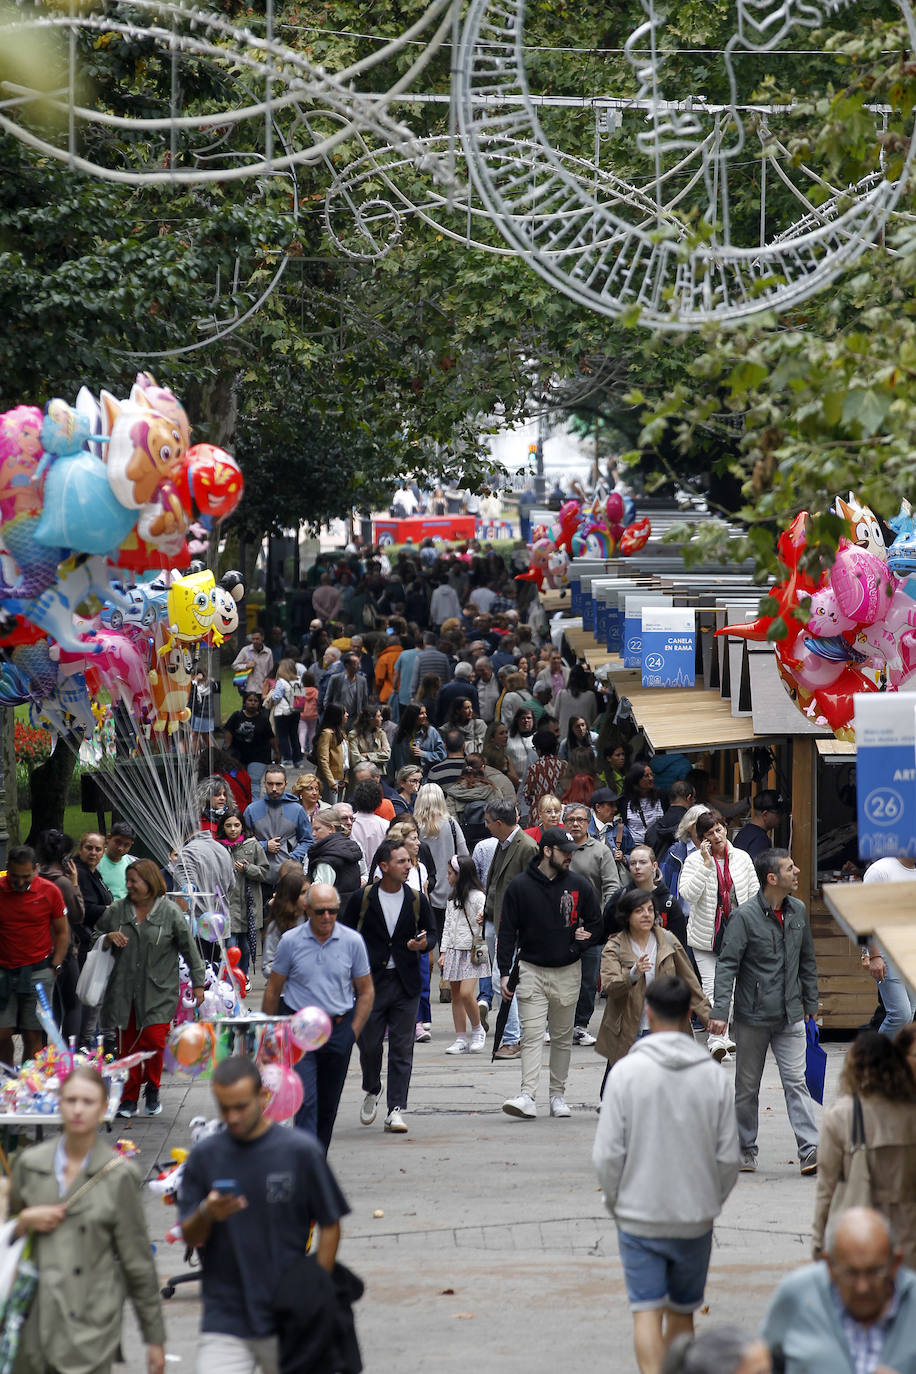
pixel 855 1189
pixel 479 951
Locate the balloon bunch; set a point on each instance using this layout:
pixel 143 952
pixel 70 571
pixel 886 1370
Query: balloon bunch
pixel 307 1029
pixel 96 499
pixel 596 532
pixel 853 629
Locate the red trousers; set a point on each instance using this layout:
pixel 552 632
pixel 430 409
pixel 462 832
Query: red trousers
pixel 130 1040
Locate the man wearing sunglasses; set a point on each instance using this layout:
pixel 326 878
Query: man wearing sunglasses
pixel 322 964
pixel 34 939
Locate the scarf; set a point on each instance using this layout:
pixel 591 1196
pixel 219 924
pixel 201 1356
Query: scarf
pixel 725 889
pixel 251 932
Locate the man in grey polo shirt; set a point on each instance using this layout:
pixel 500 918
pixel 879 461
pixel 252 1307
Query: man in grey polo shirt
pixel 322 964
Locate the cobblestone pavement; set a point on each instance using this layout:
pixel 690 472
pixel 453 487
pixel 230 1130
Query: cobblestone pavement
pixel 492 1247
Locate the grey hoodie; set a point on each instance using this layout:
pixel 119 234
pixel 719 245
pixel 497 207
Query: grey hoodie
pixel 666 1148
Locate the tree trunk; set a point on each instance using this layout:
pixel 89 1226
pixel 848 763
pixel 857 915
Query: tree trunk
pixel 50 783
pixel 9 807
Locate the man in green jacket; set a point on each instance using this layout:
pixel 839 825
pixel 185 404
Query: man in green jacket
pixel 767 956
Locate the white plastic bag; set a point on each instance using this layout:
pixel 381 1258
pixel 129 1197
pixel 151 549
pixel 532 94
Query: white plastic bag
pixel 10 1255
pixel 92 982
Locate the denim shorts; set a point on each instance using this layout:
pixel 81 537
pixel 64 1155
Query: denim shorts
pixel 665 1272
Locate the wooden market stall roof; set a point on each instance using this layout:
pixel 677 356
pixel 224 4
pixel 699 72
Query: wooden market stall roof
pixel 883 914
pixel 686 718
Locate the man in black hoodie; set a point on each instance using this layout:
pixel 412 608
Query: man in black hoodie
pixel 551 916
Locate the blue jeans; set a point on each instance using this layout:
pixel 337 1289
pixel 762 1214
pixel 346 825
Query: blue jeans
pixel 323 1073
pixel 897 1004
pixel 485 983
pixel 256 773
pixel 425 1012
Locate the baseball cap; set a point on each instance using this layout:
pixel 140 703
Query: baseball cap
pixel 768 800
pixel 602 795
pixel 555 837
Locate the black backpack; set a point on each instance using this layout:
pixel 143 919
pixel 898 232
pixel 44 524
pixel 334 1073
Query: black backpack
pixel 474 823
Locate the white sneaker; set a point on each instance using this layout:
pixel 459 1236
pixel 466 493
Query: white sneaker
pixel 558 1107
pixel 547 1036
pixel 730 1044
pixel 394 1121
pixel 459 1046
pixel 369 1110
pixel 522 1106
pixel 581 1036
pixel 478 1040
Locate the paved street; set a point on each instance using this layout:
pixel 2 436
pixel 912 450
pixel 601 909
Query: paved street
pixel 493 1245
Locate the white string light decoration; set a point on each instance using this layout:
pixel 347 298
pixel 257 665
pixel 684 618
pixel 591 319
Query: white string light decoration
pixel 595 242
pixel 620 245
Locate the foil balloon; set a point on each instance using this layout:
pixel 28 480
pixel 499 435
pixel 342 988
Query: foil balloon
pixel 614 508
pixel 853 631
pixel 310 1028
pixel 635 536
pixel 863 585
pixel 901 556
pixel 189 1049
pixel 285 1092
pixel 213 479
pixel 212 925
pixel 21 500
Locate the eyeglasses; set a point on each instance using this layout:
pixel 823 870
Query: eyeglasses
pixel 875 1274
pixel 325 910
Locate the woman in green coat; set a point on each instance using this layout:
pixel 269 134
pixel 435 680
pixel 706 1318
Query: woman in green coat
pixel 146 932
pixel 81 1204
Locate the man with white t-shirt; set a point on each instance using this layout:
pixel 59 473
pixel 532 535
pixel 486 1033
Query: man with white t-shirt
pixel 399 928
pixel 898 1004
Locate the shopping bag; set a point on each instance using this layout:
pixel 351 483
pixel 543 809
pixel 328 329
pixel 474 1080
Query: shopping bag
pixel 92 982
pixel 17 1307
pixel 10 1254
pixel 815 1062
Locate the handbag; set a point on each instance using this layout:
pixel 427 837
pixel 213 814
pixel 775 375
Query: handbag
pixel 855 1189
pixel 479 952
pixel 92 982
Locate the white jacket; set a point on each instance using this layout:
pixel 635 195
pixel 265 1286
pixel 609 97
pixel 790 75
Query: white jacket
pixel 699 885
pixel 459 930
pixel 667 1089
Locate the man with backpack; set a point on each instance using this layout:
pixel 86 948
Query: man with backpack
pixel 398 927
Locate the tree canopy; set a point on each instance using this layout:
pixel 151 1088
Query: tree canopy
pixel 351 373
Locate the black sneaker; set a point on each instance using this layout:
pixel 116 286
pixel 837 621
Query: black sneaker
pixel 127 1108
pixel 153 1106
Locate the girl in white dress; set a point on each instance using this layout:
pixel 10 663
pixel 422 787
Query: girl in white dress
pixel 463 920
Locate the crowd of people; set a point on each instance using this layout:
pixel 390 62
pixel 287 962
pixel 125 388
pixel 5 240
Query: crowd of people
pixel 424 798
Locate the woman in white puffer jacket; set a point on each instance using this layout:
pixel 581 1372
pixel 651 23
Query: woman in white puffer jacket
pixel 715 879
